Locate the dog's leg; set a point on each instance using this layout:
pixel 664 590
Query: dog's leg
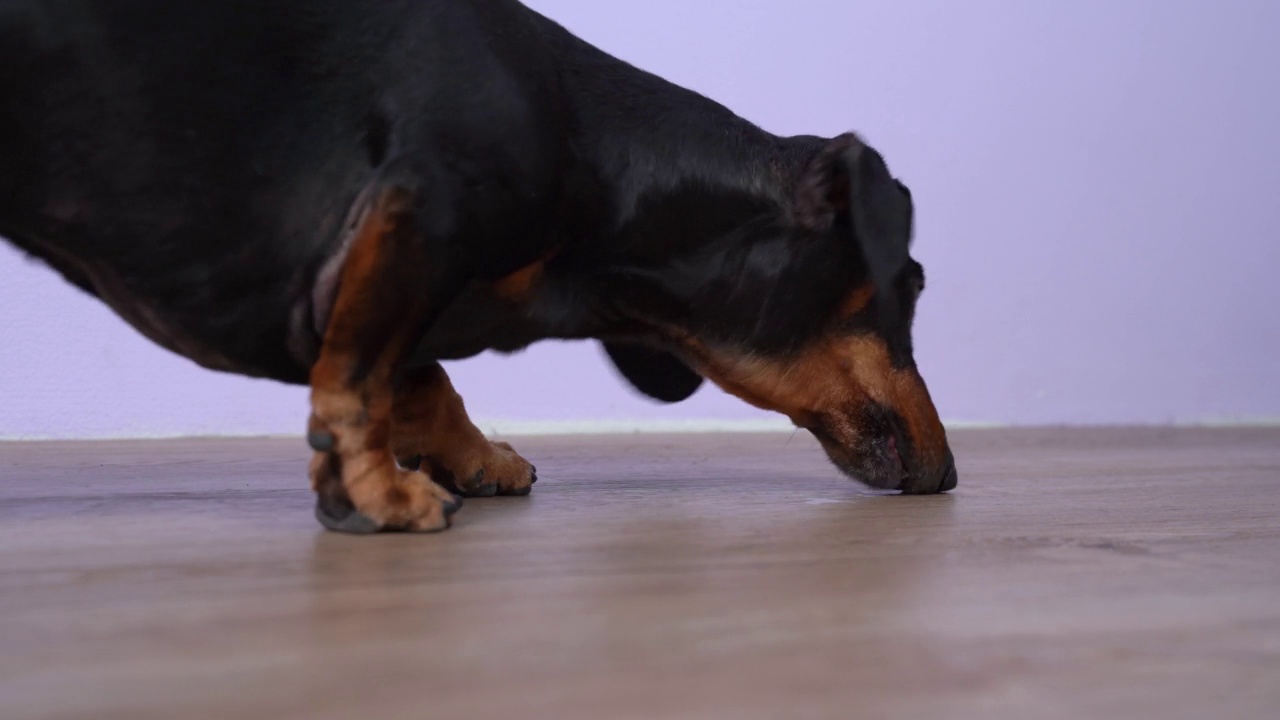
pixel 430 428
pixel 379 308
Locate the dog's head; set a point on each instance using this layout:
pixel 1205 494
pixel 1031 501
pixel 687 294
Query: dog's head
pixel 807 311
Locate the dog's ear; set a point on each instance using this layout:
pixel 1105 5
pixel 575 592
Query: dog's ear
pixel 847 188
pixel 656 373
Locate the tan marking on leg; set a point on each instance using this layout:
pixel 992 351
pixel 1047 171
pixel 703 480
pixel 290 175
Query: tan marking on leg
pixel 430 421
pixel 519 285
pixel 374 317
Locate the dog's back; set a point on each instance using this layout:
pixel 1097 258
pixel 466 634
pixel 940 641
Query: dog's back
pixel 192 163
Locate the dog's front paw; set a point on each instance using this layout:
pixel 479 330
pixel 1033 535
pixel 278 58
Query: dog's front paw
pixel 379 498
pixel 514 474
pixel 495 469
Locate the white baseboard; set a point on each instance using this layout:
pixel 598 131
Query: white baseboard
pixel 515 428
pixel 617 427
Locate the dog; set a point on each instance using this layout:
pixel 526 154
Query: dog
pixel 343 194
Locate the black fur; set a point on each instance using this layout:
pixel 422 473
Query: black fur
pixel 196 165
pixel 654 372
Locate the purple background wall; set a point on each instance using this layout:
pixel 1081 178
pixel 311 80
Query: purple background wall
pixel 1098 184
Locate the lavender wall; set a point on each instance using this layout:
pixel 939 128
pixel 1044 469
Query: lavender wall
pixel 1098 185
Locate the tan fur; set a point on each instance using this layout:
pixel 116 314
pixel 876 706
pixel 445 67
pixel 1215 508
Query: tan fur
pixel 834 378
pixel 430 420
pixel 857 300
pixel 520 285
pixel 357 411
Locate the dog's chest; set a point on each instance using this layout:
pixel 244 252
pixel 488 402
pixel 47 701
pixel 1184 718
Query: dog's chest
pixel 473 323
pixel 490 317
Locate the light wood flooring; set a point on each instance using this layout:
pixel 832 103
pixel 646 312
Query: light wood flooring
pixel 1075 574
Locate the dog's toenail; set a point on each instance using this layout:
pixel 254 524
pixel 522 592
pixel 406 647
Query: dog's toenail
pixel 321 440
pixel 452 506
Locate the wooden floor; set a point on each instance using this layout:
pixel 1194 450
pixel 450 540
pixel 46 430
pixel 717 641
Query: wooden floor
pixel 1075 574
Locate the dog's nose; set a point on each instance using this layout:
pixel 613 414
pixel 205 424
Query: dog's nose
pixel 934 482
pixel 950 478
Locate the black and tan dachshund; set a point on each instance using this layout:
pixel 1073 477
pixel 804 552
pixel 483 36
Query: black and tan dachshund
pixel 344 193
